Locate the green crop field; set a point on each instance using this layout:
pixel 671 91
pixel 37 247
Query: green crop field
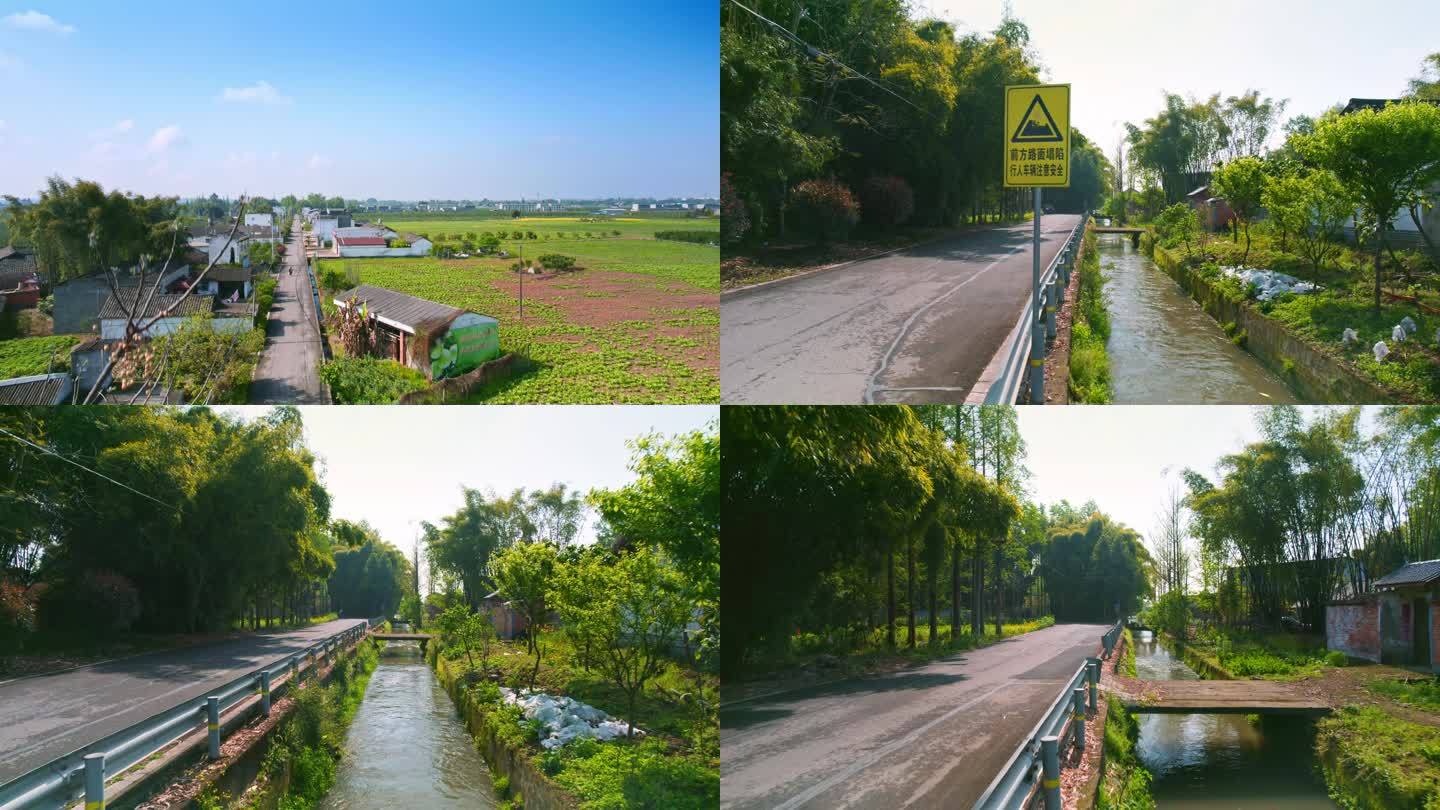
pixel 639 325
pixel 454 226
pixel 22 357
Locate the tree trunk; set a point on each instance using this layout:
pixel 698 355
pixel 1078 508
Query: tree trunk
pixel 910 591
pixel 977 594
pixel 1379 246
pixel 955 593
pixel 999 593
pixel 890 598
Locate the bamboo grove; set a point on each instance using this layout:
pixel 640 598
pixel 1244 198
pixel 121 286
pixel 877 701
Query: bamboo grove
pixel 863 93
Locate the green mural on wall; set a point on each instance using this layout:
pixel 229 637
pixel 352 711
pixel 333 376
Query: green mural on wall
pixel 471 340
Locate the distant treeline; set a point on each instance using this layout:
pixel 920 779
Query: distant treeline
pixel 699 237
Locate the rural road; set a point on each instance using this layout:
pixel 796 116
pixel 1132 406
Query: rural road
pixel 915 326
pixel 289 367
pixel 48 716
pixel 929 737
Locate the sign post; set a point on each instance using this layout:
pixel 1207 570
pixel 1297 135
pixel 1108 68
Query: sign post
pixel 1037 154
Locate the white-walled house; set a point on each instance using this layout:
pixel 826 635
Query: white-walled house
pixel 370 244
pixel 227 319
pixel 268 220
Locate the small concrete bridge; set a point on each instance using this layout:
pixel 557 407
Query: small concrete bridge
pixel 1224 697
pixel 423 638
pixel 1121 229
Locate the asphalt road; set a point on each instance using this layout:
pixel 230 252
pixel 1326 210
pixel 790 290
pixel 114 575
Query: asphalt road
pixel 930 737
pixel 48 716
pixel 914 326
pixel 289 367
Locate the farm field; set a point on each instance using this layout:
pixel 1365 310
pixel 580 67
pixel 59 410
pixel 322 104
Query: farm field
pixel 640 324
pixel 22 357
pixel 455 225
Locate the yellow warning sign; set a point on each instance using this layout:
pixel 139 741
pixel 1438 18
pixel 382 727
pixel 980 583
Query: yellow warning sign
pixel 1037 135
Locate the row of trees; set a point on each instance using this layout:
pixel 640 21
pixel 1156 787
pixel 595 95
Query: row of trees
pixel 894 116
pixel 78 228
pixel 1316 508
pixel 114 520
pixel 875 510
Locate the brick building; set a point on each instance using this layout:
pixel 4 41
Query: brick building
pixel 1399 623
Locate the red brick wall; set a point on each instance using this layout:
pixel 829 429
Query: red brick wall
pixel 1354 629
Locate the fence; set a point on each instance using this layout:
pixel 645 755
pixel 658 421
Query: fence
pixel 81 773
pixel 1005 379
pixel 1036 764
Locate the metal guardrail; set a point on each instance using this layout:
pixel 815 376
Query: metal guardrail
pixel 1012 378
pixel 1036 763
pixel 81 773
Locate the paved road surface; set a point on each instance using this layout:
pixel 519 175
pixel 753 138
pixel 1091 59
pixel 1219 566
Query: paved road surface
pixel 48 716
pixel 929 737
pixel 288 371
pixel 914 326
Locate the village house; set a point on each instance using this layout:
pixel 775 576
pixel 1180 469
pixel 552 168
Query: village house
pixel 439 340
pixel 1397 623
pixel 266 220
pixel 359 242
pixel 226 318
pixel 507 621
pixel 78 300
pixel 19 279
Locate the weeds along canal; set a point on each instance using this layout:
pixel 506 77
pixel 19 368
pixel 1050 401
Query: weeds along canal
pixel 406 746
pixel 1163 347
pixel 1213 761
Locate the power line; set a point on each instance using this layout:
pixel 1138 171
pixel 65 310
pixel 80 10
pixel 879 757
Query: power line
pixel 48 451
pixel 817 53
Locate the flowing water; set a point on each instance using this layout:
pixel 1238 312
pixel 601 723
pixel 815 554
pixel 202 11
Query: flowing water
pixel 406 746
pixel 1164 348
pixel 1223 761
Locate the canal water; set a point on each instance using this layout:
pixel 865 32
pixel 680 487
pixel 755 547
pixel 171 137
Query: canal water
pixel 1223 761
pixel 406 746
pixel 1164 348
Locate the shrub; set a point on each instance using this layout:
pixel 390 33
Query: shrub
pixel 824 208
pixel 370 380
pixel 101 604
pixel 1335 658
pixel 264 299
pixel 698 237
pixel 556 261
pixel 734 218
pixel 17 615
pixel 888 201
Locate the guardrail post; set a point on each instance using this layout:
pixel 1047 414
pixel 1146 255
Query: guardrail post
pixel 212 709
pixel 1052 297
pixel 1093 665
pixel 94 782
pixel 1050 771
pixel 1079 717
pixel 265 692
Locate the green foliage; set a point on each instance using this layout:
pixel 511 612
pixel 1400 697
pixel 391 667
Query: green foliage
pixel 206 365
pixel 556 261
pixel 1178 225
pixel 1422 693
pixel 888 201
pixel 1242 183
pixel 622 776
pixel 370 380
pixel 243 518
pixel 698 237
pixel 1092 568
pixel 23 357
pixel 1335 658
pixel 264 299
pixel 522 574
pixel 734 219
pixel 370 574
pixel 1125 783
pixel 1375 761
pixel 1090 330
pixel 824 209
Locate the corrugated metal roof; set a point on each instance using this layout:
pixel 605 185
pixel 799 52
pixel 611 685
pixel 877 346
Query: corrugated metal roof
pixel 118 308
pixel 416 313
pixel 1416 573
pixel 41 389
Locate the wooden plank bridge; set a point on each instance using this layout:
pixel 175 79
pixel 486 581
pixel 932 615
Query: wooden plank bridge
pixel 403 636
pixel 1225 697
pixel 1133 233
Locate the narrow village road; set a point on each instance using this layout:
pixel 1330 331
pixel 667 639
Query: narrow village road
pixel 915 326
pixel 289 368
pixel 48 716
pixel 929 737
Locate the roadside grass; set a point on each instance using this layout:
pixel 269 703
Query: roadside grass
pixel 1090 330
pixel 631 361
pixel 676 763
pixel 1125 783
pixel 1419 692
pixel 23 357
pixel 370 380
pixel 1127 662
pixel 1372 759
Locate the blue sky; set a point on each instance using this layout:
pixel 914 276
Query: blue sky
pixel 407 100
pixel 1118 55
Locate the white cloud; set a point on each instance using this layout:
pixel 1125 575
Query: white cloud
pixel 318 161
pixel 120 128
pixel 35 21
pixel 164 138
pixel 261 92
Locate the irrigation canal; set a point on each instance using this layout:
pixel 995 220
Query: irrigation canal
pixel 1214 761
pixel 406 746
pixel 1164 348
